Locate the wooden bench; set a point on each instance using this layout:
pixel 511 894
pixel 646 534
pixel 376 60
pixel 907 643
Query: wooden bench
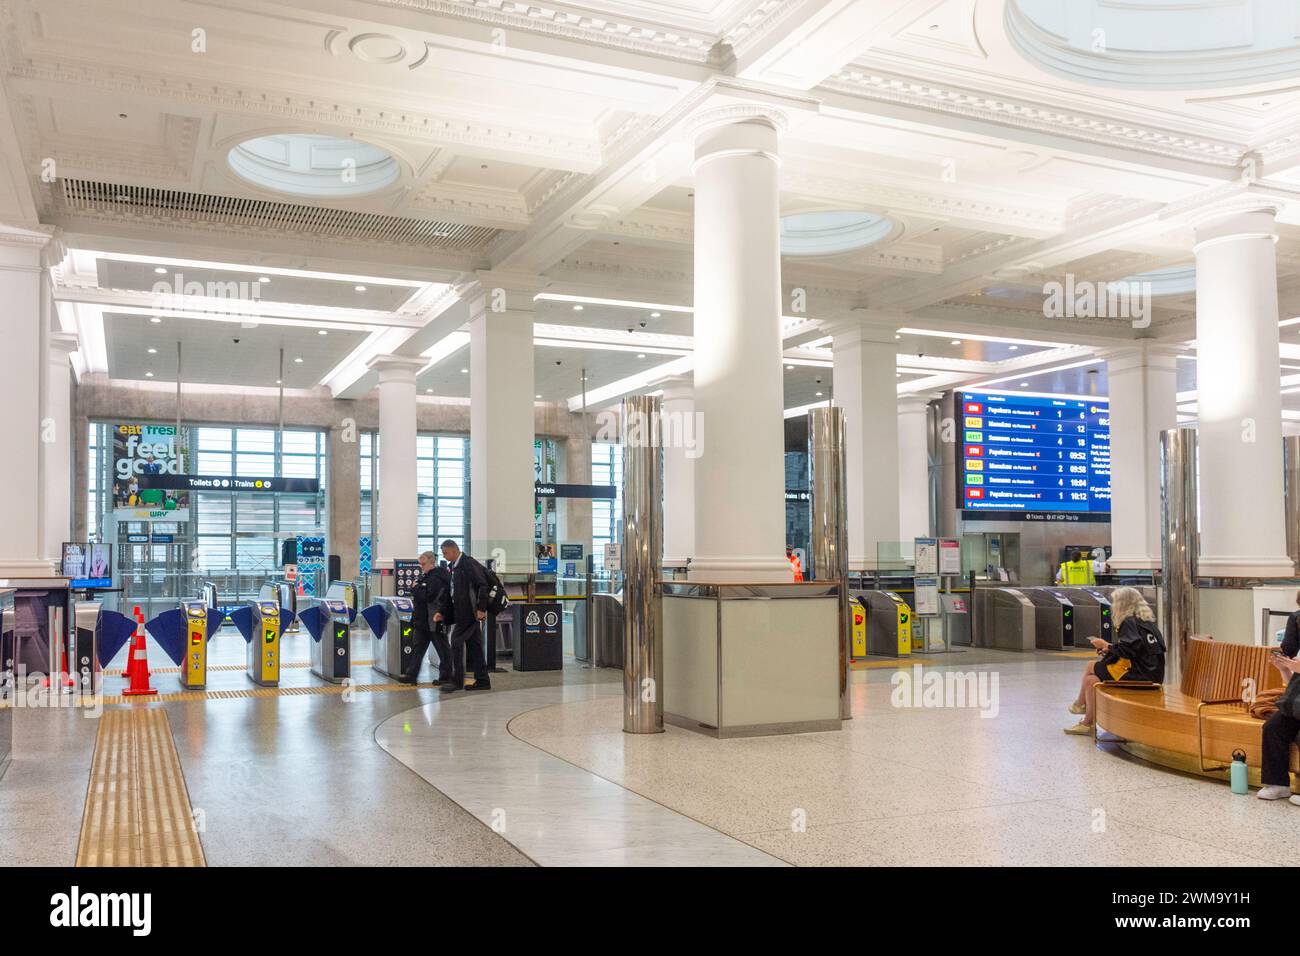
pixel 1201 722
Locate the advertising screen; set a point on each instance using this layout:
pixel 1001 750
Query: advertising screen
pixel 1033 457
pixel 88 565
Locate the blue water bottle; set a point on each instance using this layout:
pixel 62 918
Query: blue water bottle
pixel 1239 774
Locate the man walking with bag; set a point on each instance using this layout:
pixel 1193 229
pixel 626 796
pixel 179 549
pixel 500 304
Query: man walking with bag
pixel 426 595
pixel 465 604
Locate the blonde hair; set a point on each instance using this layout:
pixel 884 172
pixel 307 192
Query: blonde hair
pixel 1126 603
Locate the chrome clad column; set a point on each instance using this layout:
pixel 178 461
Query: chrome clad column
pixel 1179 545
pixel 643 666
pixel 830 536
pixel 1291 495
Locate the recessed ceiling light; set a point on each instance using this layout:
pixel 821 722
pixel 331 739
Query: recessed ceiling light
pixel 577 308
pixel 640 355
pixel 153 351
pixel 427 390
pixel 361 288
pixel 956 342
pixel 155 320
pixel 279 382
pixel 160 270
pixel 1024 384
pixel 263 278
pixel 1013 348
pixel 321 332
pixel 537 396
pixel 655 315
pixel 819 394
pixel 298 360
pixel 898 336
pixel 464 371
pixel 148 374
pixel 898 375
pixel 789 368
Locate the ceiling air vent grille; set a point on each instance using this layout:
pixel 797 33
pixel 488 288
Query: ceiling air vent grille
pixel 180 206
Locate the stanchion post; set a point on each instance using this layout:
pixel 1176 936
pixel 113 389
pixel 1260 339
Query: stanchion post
pixel 643 667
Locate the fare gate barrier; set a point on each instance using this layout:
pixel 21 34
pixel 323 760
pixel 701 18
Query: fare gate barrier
pixel 394 648
pixel 889 623
pixel 1091 615
pixel 607 630
pixel 183 633
pixel 285 595
pixel 98 636
pixel 1004 618
pixel 1053 618
pixel 329 620
pixel 260 624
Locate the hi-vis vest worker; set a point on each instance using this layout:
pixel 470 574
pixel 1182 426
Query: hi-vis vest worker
pixel 794 563
pixel 1078 570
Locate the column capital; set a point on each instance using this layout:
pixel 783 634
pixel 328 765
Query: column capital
pixel 913 402
pixel 1248 218
pixel 852 332
pixel 504 291
pixel 396 368
pixel 64 343
pixel 35 237
pixel 1142 354
pixel 743 129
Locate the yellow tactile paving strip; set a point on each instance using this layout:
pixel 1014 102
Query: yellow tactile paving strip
pixel 137 807
pixel 238 694
pixel 118 672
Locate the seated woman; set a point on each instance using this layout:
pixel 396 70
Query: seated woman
pixel 1137 654
pixel 1280 730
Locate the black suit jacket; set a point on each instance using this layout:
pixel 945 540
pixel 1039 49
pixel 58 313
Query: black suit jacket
pixel 426 594
pixel 468 592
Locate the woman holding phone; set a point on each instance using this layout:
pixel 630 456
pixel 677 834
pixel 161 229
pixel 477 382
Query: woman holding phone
pixel 1280 730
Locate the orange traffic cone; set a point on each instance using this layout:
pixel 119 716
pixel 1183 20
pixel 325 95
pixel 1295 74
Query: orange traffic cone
pixel 137 663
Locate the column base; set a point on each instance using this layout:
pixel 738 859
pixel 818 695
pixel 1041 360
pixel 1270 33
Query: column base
pixel 1134 563
pixel 726 570
pixel 1248 566
pixel 17 568
pixel 674 561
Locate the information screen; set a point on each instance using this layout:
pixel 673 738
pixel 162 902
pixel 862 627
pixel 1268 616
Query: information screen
pixel 1033 458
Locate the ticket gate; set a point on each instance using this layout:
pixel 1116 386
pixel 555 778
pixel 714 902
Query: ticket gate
pixel 889 623
pixel 285 596
pixel 1091 615
pixel 260 624
pixel 328 621
pixel 183 633
pixel 607 630
pixel 344 591
pixel 1053 618
pixel 389 619
pixel 97 637
pixel 41 633
pixel 1004 618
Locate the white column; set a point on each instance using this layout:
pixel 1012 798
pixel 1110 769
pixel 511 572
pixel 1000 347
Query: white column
pixel 573 523
pixel 913 468
pixel 398 504
pixel 679 470
pixel 740 478
pixel 1238 383
pixel 57 443
pixel 21 362
pixel 1143 403
pixel 502 494
pixel 866 388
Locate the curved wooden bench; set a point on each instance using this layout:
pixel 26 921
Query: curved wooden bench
pixel 1198 725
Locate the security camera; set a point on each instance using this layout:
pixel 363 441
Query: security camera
pixel 235 340
pixel 630 330
pixel 643 323
pixel 819 381
pixel 558 362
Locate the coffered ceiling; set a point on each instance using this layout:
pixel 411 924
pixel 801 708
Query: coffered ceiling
pixel 547 147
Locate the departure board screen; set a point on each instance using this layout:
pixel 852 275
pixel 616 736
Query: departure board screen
pixel 1033 458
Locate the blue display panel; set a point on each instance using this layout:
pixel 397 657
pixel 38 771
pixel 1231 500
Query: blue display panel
pixel 1033 458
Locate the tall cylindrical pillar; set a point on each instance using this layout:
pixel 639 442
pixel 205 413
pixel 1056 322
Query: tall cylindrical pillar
pixel 830 535
pixel 1238 385
pixel 1291 493
pixel 56 444
pixel 399 505
pixel 679 471
pixel 913 468
pixel 740 478
pixel 1178 546
pixel 643 663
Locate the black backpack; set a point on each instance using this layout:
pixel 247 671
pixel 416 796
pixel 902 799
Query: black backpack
pixel 498 600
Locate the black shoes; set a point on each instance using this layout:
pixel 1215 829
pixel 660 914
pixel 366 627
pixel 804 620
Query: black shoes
pixel 448 687
pixel 480 684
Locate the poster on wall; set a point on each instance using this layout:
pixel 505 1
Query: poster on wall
pixel 140 452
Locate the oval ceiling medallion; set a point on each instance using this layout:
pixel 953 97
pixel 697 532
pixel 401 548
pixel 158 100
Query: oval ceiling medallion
pixel 377 48
pixel 320 167
pixel 832 232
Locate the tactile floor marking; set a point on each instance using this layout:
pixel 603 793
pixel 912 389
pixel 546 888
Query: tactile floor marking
pixel 265 692
pixel 118 672
pixel 137 807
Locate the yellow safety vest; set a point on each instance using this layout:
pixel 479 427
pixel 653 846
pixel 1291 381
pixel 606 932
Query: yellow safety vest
pixel 1077 572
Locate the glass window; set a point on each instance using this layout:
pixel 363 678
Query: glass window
pixel 442 487
pixel 606 515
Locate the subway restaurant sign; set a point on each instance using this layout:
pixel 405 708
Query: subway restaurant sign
pixel 141 453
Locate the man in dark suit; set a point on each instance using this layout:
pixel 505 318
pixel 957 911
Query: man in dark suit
pixel 465 605
pixel 425 596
